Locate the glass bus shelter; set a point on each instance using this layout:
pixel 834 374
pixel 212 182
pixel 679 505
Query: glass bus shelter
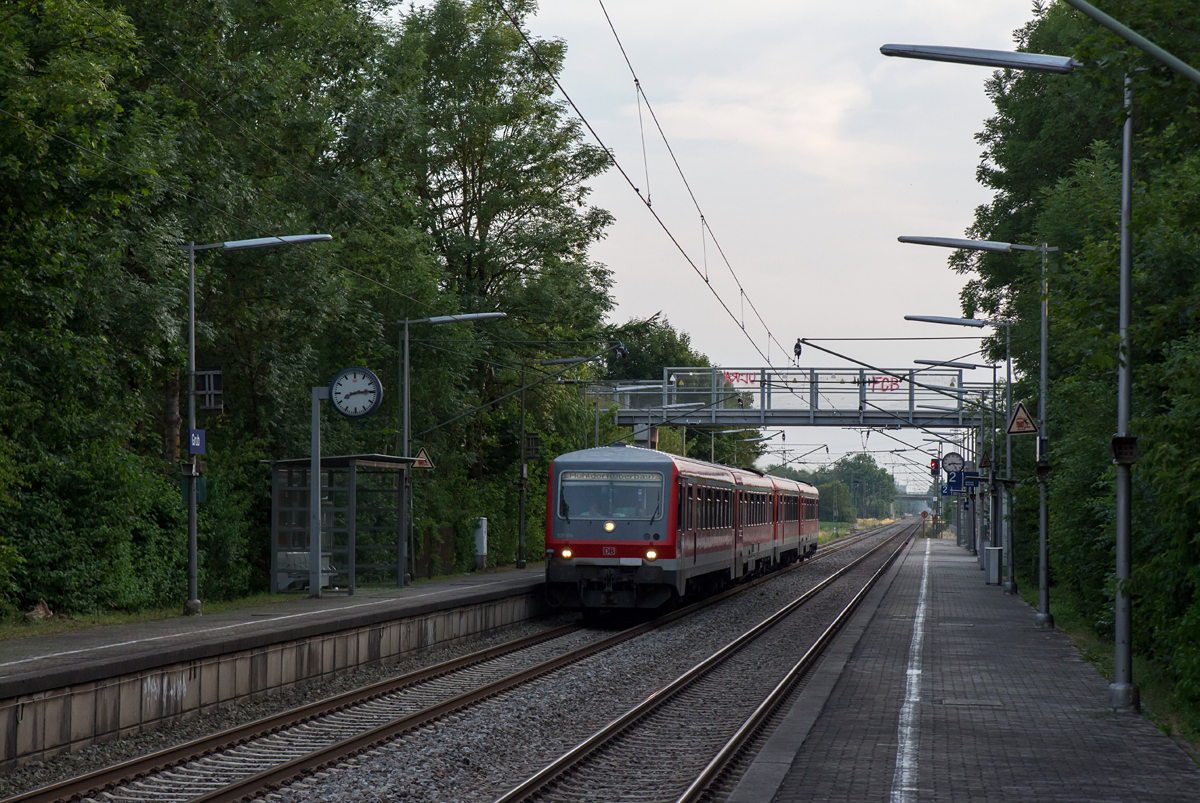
pixel 361 543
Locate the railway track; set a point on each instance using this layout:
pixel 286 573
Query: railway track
pixel 246 761
pixel 678 742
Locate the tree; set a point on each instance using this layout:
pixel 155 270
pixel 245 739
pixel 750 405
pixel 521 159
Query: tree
pixel 1052 157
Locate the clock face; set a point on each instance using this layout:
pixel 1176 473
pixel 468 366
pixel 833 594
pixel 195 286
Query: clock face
pixel 355 392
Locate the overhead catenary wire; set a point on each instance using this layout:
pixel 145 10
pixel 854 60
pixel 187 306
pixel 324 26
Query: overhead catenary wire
pixel 624 173
pixel 687 185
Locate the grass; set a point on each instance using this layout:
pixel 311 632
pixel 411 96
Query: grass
pixel 1156 689
pixel 19 627
pixel 827 530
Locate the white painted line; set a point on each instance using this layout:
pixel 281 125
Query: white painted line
pixel 904 781
pixel 191 633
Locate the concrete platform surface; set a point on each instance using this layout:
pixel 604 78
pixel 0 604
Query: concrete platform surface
pixel 943 690
pixel 36 663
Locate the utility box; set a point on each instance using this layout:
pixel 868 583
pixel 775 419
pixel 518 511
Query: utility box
pixel 481 545
pixel 994 562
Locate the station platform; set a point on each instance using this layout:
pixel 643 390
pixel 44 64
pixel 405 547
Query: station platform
pixel 941 689
pixel 36 663
pixel 61 693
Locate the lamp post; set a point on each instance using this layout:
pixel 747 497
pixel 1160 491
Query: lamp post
pixel 1123 692
pixel 405 419
pixel 1043 618
pixel 192 606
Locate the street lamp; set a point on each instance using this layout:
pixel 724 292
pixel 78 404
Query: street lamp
pixel 1010 587
pixel 1123 692
pixel 405 419
pixel 192 606
pixel 1043 618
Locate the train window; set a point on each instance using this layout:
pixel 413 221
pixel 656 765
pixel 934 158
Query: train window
pixel 610 495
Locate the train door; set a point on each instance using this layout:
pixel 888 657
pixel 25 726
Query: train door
pixel 690 533
pixel 777 533
pixel 739 524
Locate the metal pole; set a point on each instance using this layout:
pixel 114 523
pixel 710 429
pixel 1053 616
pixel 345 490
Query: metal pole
pixel 993 490
pixel 1010 587
pixel 971 456
pixel 1123 693
pixel 1044 618
pixel 524 475
pixel 597 418
pixel 314 497
pixel 405 480
pixel 192 606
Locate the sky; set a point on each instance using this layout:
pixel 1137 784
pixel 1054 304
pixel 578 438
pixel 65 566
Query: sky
pixel 809 153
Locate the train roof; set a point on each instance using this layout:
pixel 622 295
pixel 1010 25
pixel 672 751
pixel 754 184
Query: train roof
pixel 633 457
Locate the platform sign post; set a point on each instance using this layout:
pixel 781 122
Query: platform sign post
pixel 954 481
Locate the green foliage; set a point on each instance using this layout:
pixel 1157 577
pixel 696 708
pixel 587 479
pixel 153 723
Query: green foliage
pixel 435 152
pixel 1052 156
pixel 851 488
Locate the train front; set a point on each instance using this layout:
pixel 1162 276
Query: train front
pixel 610 529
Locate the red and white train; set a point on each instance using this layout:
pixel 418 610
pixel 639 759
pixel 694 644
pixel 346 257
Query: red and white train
pixel 634 528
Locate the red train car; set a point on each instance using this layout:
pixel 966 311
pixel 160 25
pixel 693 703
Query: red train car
pixel 635 528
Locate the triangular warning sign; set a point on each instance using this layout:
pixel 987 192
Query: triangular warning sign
pixel 423 460
pixel 1022 422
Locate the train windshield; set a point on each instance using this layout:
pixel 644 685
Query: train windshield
pixel 586 495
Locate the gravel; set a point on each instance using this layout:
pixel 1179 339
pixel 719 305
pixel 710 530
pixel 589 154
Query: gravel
pixel 481 753
pixel 42 773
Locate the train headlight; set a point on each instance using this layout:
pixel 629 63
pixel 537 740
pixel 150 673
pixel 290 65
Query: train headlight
pixel 651 554
pixel 566 553
pixel 609 526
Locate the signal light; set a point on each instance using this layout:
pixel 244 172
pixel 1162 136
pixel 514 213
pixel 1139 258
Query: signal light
pixel 935 467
